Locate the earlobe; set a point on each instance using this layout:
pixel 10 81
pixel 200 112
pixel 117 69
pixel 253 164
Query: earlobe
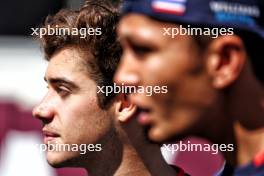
pixel 226 60
pixel 124 109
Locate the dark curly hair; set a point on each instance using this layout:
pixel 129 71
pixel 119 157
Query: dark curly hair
pixel 105 48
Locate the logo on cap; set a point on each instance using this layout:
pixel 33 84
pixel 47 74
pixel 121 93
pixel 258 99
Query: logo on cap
pixel 235 12
pixel 177 7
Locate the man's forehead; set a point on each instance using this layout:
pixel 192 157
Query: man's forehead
pixel 143 27
pixel 136 22
pixel 67 58
pixel 66 62
pixel 69 55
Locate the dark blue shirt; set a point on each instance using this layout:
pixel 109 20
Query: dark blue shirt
pixel 248 170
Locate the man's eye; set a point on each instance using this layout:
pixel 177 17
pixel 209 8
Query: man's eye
pixel 141 50
pixel 62 91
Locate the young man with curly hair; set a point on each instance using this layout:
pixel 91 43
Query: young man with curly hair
pixel 82 51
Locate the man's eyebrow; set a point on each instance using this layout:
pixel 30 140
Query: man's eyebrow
pixel 137 41
pixel 60 80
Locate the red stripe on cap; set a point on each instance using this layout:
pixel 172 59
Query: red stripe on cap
pixel 169 7
pixel 168 11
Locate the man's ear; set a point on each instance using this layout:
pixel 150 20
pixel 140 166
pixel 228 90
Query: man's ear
pixel 226 59
pixel 124 108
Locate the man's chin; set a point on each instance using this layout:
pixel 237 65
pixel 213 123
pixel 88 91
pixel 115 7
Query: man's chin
pixel 164 137
pixel 59 160
pixel 175 138
pixel 155 137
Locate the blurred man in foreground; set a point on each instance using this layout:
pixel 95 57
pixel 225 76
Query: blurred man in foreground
pixel 74 115
pixel 209 55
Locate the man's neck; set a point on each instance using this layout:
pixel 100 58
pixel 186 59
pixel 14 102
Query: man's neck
pixel 122 161
pixel 246 113
pixel 149 152
pixel 240 115
pixel 249 143
pixel 131 164
pixel 148 162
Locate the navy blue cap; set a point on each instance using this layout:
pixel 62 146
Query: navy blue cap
pixel 238 14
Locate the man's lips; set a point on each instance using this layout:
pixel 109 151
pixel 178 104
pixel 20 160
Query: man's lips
pixel 49 136
pixel 144 116
pixel 143 112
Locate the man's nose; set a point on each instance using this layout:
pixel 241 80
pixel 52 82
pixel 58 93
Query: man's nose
pixel 127 72
pixel 45 110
